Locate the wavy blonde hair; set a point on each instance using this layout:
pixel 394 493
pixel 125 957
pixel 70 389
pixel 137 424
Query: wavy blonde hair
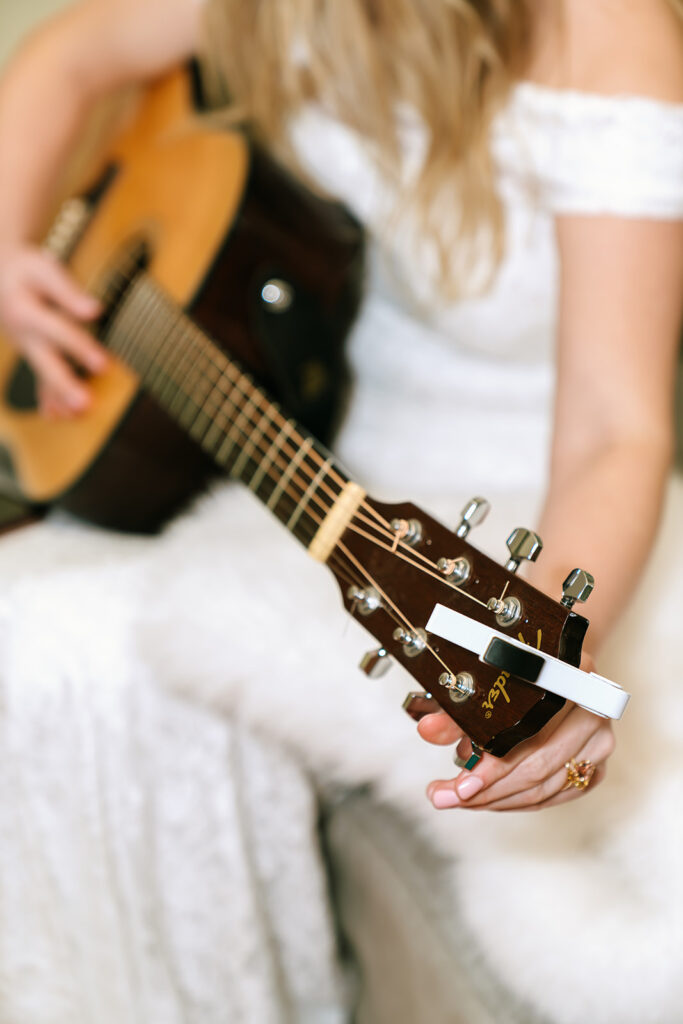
pixel 453 61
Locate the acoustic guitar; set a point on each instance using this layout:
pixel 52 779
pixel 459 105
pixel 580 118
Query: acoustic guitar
pixel 226 286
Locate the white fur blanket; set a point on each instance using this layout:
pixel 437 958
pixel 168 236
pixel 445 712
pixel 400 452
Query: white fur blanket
pixel 223 619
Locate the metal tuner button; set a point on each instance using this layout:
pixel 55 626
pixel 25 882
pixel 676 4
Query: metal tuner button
pixel 376 663
pixel 460 686
pixel 473 514
pixel 578 586
pixel 522 545
pixel 456 570
pixel 413 643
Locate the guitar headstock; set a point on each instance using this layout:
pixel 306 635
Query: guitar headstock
pixel 395 563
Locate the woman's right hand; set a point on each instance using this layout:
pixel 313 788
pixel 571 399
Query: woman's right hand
pixel 44 313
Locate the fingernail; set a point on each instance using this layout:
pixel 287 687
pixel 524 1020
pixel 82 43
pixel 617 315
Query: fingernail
pixel 469 786
pixel 445 798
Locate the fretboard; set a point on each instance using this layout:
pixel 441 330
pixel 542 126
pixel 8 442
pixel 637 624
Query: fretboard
pixel 224 410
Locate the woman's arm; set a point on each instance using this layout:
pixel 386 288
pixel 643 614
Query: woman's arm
pixel 46 96
pixel 620 314
pixel 621 297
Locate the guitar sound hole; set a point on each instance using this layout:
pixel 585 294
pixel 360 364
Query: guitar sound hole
pixel 21 393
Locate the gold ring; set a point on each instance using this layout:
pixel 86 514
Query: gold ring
pixel 579 774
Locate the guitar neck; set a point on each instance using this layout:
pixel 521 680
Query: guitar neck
pixel 227 413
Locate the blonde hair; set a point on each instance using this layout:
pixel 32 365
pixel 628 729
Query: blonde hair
pixel 452 61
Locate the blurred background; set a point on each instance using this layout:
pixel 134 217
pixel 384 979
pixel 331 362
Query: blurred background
pixel 16 16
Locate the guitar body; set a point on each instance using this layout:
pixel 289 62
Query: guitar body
pixel 214 220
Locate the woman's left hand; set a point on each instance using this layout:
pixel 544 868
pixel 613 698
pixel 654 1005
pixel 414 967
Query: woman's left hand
pixel 533 775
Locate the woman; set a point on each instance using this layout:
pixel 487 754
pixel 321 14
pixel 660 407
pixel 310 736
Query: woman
pixel 568 235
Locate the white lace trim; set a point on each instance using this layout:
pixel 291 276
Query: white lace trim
pixel 587 153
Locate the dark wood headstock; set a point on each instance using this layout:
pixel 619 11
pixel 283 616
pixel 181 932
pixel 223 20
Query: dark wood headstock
pixel 502 710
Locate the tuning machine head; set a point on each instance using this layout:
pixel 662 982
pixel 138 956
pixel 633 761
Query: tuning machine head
pixel 474 513
pixel 578 586
pixel 522 545
pixel 376 663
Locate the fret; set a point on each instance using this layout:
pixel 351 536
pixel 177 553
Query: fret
pixel 161 375
pixel 289 473
pixel 249 447
pixel 231 396
pixel 134 330
pixel 268 458
pixel 218 396
pixel 204 378
pixel 227 448
pixel 308 494
pixel 222 408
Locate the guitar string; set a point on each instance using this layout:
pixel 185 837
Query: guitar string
pixel 335 559
pixel 200 375
pixel 436 575
pixel 389 533
pixel 137 329
pixel 386 597
pixel 347 572
pixel 439 577
pixel 199 372
pixel 295 479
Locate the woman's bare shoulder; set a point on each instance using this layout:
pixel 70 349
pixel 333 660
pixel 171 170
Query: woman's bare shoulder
pixel 612 47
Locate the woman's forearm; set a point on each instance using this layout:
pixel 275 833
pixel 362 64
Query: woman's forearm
pixel 603 518
pixel 43 107
pixel 59 75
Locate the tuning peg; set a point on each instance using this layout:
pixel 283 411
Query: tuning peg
pixel 366 599
pixel 468 763
pixel 376 663
pixel 413 641
pixel 418 704
pixel 407 530
pixel 460 687
pixel 456 570
pixel 474 513
pixel 522 544
pixel 578 586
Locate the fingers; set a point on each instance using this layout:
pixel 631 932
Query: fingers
pixel 439 728
pixel 56 284
pixel 66 394
pixel 529 768
pixel 551 790
pixel 69 337
pixel 534 773
pixel 51 403
pixel 43 308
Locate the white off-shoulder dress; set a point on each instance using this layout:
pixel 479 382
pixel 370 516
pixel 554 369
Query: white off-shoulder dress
pixel 169 707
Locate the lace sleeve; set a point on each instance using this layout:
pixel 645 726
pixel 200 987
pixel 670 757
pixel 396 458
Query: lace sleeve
pixel 585 153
